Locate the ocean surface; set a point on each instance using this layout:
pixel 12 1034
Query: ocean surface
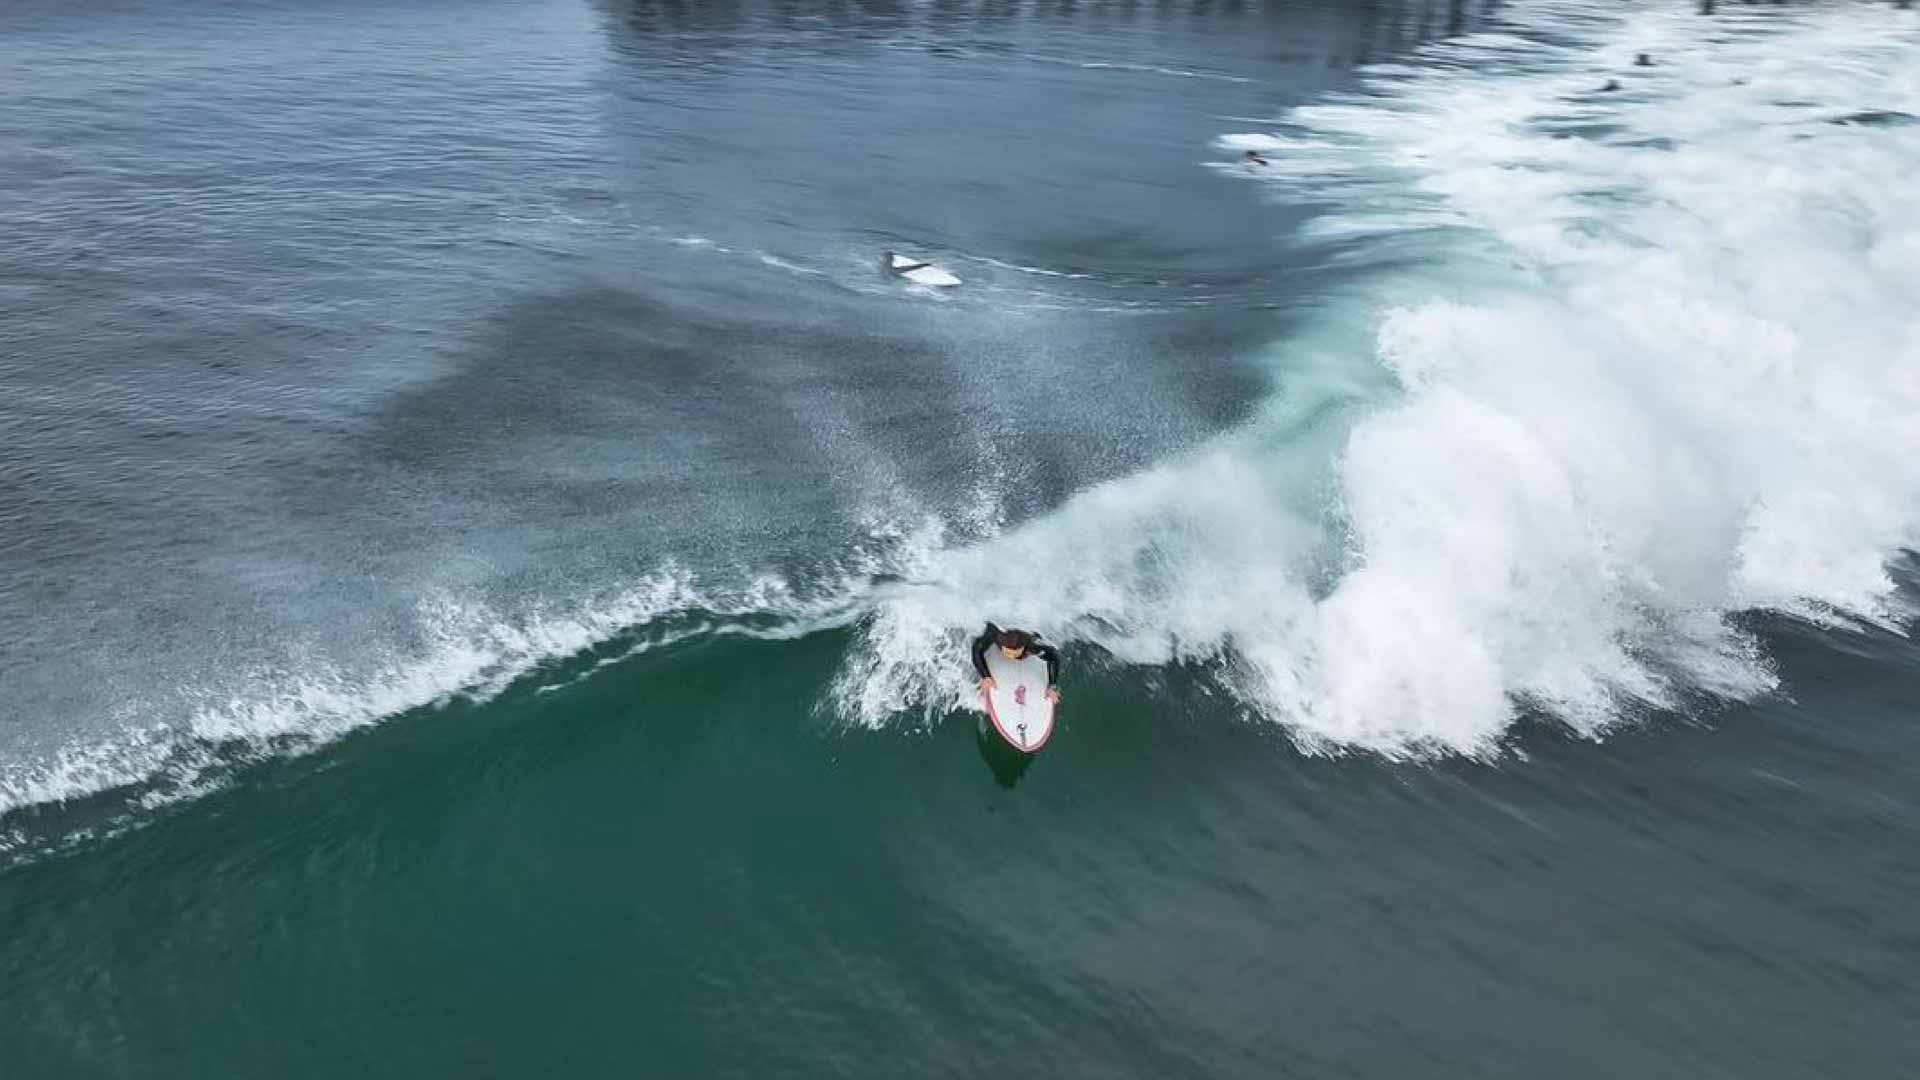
pixel 486 558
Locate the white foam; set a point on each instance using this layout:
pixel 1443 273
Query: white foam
pixel 465 650
pixel 778 263
pixel 1157 69
pixel 1658 366
pixel 1254 141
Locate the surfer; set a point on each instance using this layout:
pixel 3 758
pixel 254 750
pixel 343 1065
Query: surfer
pixel 1016 645
pixel 898 265
pixel 1252 158
pixel 918 271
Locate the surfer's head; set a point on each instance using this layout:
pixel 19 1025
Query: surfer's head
pixel 1014 643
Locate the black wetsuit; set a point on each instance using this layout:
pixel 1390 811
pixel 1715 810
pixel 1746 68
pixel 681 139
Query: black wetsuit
pixel 1041 649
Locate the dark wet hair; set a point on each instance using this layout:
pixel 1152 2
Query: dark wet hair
pixel 1015 639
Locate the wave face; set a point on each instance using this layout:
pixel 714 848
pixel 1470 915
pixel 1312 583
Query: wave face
pixel 1654 361
pixel 1613 367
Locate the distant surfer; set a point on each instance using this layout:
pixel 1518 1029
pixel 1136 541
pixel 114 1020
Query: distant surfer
pixel 900 265
pixel 1252 158
pixel 1643 60
pixel 918 271
pixel 1016 645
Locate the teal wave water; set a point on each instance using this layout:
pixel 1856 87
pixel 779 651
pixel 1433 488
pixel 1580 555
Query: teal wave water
pixel 488 557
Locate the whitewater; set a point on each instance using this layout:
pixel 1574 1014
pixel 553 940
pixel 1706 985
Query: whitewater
pixel 1620 366
pixel 1653 360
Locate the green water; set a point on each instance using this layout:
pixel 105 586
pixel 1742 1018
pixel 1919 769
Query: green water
pixel 671 868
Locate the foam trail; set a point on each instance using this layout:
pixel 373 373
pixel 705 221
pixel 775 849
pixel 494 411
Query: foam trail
pixel 1659 363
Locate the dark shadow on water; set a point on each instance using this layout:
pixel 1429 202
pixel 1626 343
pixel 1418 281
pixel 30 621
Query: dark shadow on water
pixel 1876 118
pixel 1008 765
pixel 1367 30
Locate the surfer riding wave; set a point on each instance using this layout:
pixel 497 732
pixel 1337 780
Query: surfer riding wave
pixel 1016 645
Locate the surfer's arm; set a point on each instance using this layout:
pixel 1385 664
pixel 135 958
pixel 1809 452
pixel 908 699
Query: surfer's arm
pixel 1052 656
pixel 980 646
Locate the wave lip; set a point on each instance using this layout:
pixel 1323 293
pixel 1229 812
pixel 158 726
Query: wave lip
pixel 465 650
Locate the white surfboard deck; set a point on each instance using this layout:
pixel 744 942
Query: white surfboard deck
pixel 923 273
pixel 1018 704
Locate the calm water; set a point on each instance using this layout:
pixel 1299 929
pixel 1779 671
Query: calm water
pixel 486 557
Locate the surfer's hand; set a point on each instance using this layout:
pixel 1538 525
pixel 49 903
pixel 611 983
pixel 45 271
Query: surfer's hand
pixel 1053 694
pixel 988 683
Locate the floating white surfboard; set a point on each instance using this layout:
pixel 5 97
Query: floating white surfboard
pixel 920 272
pixel 1018 704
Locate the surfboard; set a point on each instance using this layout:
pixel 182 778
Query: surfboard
pixel 1018 704
pixel 922 273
